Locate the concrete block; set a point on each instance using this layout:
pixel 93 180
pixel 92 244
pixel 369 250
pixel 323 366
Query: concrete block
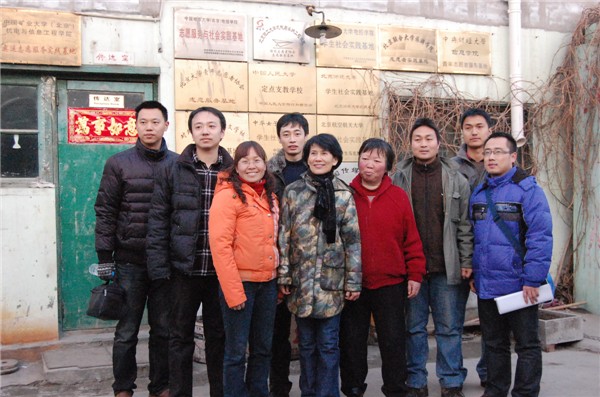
pixel 559 327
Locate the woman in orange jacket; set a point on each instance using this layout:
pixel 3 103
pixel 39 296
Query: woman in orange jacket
pixel 242 229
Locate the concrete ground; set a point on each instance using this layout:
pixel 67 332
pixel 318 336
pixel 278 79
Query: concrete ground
pixel 80 365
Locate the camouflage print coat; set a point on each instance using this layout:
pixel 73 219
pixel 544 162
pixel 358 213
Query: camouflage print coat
pixel 318 273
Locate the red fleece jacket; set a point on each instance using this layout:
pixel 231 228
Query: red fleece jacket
pixel 390 242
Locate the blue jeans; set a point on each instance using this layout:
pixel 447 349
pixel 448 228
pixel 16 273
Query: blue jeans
pixel 319 356
pixel 496 329
pixel 448 304
pixel 140 290
pixel 387 305
pixel 253 326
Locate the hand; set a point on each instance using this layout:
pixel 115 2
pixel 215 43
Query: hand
pixel 472 285
pixel 284 289
pixel 241 306
pixel 530 294
pixel 413 288
pixel 465 273
pixel 106 271
pixel 351 296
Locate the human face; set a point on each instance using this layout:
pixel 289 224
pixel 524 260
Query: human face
pixel 207 131
pixel 475 131
pixel 292 138
pixel 251 167
pixel 151 126
pixel 320 161
pixel 497 158
pixel 372 168
pixel 424 144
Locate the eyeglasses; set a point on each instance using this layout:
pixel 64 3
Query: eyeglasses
pixel 496 152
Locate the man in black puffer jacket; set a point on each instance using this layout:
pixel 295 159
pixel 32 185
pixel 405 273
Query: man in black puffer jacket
pixel 122 207
pixel 178 249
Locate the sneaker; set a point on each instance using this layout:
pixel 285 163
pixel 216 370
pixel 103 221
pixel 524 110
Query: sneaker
pixel 452 392
pixel 417 392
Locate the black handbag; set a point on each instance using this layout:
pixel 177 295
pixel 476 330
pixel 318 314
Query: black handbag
pixel 107 302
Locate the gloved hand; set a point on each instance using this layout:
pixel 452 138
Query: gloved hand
pixel 106 271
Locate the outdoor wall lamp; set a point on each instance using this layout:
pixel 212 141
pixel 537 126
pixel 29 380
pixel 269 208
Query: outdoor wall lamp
pixel 322 31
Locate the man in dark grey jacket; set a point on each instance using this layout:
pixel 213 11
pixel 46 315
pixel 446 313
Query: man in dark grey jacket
pixel 178 249
pixel 122 207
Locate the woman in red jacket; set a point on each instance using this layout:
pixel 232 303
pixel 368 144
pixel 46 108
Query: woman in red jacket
pixel 393 265
pixel 242 230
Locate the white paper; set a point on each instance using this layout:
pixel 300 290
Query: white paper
pixel 515 301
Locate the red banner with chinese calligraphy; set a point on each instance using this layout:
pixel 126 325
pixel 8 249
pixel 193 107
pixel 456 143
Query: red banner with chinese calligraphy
pixel 102 126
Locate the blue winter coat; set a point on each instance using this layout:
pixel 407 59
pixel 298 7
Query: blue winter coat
pixel 522 204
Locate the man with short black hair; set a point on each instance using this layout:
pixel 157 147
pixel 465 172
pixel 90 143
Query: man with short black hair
pixel 513 250
pixel 122 208
pixel 287 166
pixel 440 200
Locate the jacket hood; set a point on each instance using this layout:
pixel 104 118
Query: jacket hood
pixel 277 163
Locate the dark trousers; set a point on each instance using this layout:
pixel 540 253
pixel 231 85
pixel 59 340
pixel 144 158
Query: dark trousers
pixel 496 330
pixel 188 294
pixel 279 382
pixel 156 294
pixel 387 304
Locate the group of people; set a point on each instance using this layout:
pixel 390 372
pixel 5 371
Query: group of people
pixel 253 240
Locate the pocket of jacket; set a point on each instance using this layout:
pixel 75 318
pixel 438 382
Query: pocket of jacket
pixel 455 207
pixel 332 272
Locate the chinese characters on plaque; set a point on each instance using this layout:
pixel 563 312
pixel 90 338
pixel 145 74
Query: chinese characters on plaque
pixel 464 52
pixel 347 91
pixel 355 48
pixel 204 35
pixel 407 49
pixel 351 132
pixel 281 88
pixel 40 37
pixel 223 85
pixel 284 41
pixel 101 126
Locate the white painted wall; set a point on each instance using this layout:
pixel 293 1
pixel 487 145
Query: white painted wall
pixel 29 300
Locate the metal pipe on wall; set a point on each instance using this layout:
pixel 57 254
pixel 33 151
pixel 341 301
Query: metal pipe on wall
pixel 516 76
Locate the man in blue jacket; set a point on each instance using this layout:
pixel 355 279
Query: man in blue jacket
pixel 503 265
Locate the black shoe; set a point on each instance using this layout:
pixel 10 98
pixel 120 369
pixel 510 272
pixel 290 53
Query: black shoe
pixel 417 392
pixel 452 392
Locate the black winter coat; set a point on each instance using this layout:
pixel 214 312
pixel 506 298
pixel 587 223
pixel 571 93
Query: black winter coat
pixel 123 202
pixel 175 216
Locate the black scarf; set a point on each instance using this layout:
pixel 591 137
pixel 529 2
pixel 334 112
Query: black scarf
pixel 325 203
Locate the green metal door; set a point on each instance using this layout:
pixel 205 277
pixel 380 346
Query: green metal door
pixel 79 171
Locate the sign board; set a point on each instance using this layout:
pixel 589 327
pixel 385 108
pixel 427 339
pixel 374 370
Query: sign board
pixel 113 58
pixel 204 35
pixel 347 91
pixel 106 101
pixel 222 85
pixel 284 41
pixel 350 131
pixel 355 48
pixel 40 37
pixel 235 133
pixel 282 88
pixel 408 49
pixel 102 126
pixel 464 52
pixel 263 129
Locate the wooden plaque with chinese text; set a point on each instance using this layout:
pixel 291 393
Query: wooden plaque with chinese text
pixel 464 52
pixel 282 88
pixel 222 85
pixel 351 132
pixel 347 91
pixel 40 37
pixel 355 48
pixel 283 41
pixel 408 49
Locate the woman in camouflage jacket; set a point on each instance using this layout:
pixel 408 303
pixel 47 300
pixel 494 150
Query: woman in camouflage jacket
pixel 320 264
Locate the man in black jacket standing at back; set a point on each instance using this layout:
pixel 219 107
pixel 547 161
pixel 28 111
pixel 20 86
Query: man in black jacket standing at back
pixel 122 207
pixel 178 249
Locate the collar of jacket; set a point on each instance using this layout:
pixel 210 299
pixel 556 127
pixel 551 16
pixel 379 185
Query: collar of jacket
pixel 187 156
pixel 356 184
pixel 151 154
pixel 277 163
